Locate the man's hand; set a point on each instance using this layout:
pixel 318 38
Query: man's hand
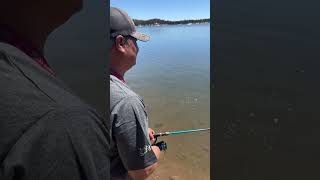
pixel 162 145
pixel 151 134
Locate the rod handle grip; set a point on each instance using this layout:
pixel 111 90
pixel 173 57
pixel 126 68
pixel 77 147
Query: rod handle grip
pixel 160 134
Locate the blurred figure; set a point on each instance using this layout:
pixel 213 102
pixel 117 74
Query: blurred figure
pixel 46 131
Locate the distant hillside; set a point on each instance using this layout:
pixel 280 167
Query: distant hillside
pixel 138 22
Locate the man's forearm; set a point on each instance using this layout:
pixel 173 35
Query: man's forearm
pixel 144 173
pixel 156 151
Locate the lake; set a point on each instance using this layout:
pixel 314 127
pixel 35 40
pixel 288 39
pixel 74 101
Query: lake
pixel 172 74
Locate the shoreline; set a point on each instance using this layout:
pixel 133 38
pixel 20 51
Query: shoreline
pixel 188 24
pixel 159 22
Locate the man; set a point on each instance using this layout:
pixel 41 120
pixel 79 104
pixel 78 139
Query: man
pixel 46 132
pixel 133 155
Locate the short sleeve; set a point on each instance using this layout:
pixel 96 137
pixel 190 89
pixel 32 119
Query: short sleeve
pixel 131 135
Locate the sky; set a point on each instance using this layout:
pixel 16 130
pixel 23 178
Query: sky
pixel 164 9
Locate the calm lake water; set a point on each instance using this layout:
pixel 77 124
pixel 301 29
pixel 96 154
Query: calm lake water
pixel 173 76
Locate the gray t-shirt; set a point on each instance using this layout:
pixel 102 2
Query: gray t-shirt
pixel 130 144
pixel 46 131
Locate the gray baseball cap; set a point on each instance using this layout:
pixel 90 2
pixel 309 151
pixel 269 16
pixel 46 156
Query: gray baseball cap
pixel 122 24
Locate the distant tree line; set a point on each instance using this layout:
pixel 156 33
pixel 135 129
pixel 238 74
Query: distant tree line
pixel 138 22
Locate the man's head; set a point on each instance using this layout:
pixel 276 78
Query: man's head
pixel 36 19
pixel 53 11
pixel 123 34
pixel 122 24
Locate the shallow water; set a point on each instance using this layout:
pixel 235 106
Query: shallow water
pixel 173 76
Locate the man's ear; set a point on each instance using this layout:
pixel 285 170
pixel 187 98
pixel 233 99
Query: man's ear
pixel 119 43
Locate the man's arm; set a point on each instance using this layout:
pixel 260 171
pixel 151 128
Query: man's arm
pixel 130 133
pixel 142 174
pixel 137 155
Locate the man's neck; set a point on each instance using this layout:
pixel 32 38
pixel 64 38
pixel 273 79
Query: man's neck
pixel 117 71
pixel 23 39
pixel 33 30
pixel 35 36
pixel 117 74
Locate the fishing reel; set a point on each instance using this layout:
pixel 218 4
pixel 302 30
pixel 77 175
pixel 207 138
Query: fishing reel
pixel 162 145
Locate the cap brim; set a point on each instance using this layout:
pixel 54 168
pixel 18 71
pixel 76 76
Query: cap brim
pixel 140 36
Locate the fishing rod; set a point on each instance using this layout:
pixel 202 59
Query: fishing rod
pixel 175 132
pixel 179 132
